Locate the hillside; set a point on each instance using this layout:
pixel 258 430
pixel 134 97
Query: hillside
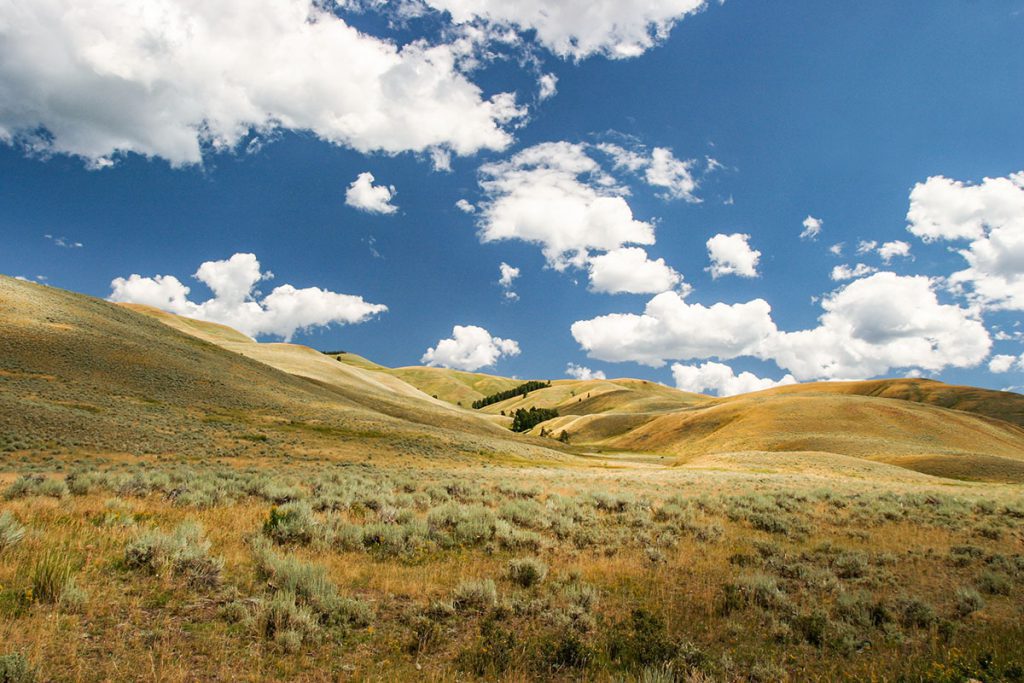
pixel 81 374
pixel 235 395
pixel 918 436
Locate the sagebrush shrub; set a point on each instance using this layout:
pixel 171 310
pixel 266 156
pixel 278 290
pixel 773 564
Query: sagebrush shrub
pixel 527 571
pixel 185 552
pixel 11 531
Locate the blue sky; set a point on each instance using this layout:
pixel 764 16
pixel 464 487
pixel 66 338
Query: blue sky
pixel 837 111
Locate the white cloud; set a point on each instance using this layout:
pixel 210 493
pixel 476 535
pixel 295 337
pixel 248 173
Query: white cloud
pixel 465 206
pixel 661 169
pixel 672 329
pixel 812 228
pixel 944 209
pixel 877 324
pixel 173 78
pixel 1004 363
pixel 580 28
pixel 720 379
pixel 508 275
pixel 868 327
pixel 548 86
pixel 581 372
pixel 555 195
pixel 236 303
pixel 672 174
pixel 845 272
pixel 362 194
pixel 64 242
pixel 732 255
pixel 866 246
pixel 469 348
pixel 837 249
pixel 890 250
pixel 991 216
pixel 630 270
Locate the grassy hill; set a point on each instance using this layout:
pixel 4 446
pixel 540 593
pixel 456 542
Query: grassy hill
pixel 82 374
pixel 914 435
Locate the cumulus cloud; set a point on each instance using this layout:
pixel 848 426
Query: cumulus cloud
pixel 732 255
pixel 812 228
pixel 890 250
pixel 508 275
pixel 469 348
pixel 674 175
pixel 659 168
pixel 866 246
pixel 1005 363
pixel 846 272
pixel 720 379
pixel 465 206
pixel 173 78
pixel 837 249
pixel 577 29
pixel 236 302
pixel 630 270
pixel 362 194
pixel 877 324
pixel 581 372
pixel 555 195
pixel 670 328
pixel 547 86
pixel 868 327
pixel 990 216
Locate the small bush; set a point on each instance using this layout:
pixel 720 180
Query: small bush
pixel 640 641
pixel 14 668
pixel 53 580
pixel 968 601
pixel 291 523
pixel 310 586
pixel 527 571
pixel 915 613
pixel 475 595
pixel 11 532
pixel 182 553
pixel 994 583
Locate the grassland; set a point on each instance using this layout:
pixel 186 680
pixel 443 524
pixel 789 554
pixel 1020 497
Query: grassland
pixel 179 503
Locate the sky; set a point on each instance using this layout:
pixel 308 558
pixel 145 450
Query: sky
pixel 719 196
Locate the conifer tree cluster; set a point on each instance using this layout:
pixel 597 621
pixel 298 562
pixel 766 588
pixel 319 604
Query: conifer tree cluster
pixel 521 390
pixel 524 420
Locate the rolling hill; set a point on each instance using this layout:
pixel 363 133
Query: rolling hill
pixel 83 375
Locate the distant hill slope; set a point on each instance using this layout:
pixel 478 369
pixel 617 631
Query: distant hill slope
pixel 78 373
pixel 914 435
pixel 588 397
pixel 1002 405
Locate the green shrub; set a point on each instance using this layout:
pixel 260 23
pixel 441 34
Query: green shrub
pixel 968 601
pixel 52 579
pixel 11 532
pixel 994 583
pixel 641 641
pixel 475 595
pixel 310 586
pixel 14 668
pixel 527 571
pixel 185 552
pixel 291 523
pixel 493 652
pixel 282 620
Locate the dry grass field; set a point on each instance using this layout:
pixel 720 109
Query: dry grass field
pixel 179 503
